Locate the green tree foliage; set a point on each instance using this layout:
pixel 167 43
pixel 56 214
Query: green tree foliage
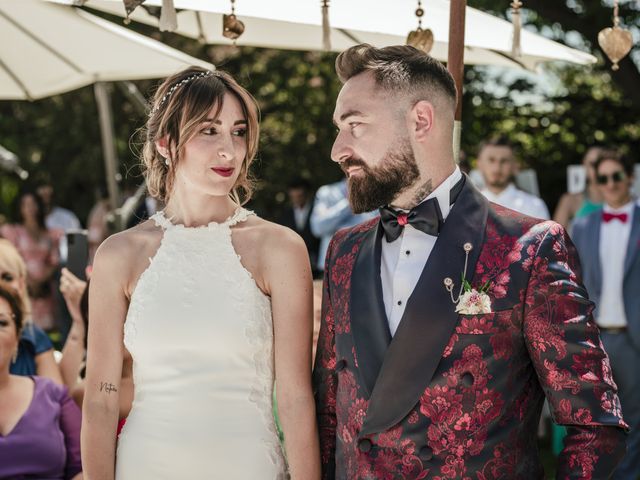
pixel 59 138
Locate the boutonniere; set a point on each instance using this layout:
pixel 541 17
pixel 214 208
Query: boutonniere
pixel 470 300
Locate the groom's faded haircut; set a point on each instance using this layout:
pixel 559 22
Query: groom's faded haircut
pixel 399 69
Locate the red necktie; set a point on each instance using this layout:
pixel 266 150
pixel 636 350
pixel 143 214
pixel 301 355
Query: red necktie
pixel 607 217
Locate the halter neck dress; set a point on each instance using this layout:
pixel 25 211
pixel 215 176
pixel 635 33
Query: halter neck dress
pixel 200 333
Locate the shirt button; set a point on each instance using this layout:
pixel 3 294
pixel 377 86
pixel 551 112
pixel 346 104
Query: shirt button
pixel 399 302
pixel 408 252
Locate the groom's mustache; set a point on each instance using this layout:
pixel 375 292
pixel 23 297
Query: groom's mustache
pixel 353 162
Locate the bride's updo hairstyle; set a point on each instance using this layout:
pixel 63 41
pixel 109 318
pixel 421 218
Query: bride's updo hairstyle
pixel 178 108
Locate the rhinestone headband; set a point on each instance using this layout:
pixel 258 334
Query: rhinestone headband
pixel 189 79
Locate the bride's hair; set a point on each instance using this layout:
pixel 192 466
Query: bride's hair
pixel 181 103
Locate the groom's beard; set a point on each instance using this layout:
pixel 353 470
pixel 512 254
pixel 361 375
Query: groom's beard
pixel 379 186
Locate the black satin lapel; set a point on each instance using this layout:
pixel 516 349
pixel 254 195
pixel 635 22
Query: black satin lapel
pixel 369 324
pixel 430 317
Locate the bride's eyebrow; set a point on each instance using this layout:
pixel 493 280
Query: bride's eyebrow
pixel 218 122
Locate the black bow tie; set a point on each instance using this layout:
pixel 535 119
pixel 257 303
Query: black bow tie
pixel 425 217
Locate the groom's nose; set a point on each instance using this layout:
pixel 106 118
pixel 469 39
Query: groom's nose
pixel 340 150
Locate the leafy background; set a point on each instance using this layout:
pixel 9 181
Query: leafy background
pixel 553 116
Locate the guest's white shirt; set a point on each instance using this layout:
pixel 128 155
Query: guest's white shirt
pixel 614 239
pixel 403 260
pixel 518 200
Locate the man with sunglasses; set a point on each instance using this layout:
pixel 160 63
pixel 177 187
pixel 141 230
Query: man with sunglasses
pixel 608 241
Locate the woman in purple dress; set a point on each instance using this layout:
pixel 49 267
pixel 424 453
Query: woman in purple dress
pixel 39 423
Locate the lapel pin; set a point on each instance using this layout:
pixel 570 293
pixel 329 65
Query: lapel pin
pixel 469 301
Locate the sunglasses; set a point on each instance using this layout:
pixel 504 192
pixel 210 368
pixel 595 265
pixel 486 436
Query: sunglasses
pixel 615 177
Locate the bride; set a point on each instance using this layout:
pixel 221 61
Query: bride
pixel 212 302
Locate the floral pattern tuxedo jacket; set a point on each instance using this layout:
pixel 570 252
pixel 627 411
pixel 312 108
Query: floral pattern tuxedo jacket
pixel 459 396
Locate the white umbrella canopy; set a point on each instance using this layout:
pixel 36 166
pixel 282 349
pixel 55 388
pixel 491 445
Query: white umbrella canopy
pixel 297 25
pixel 47 49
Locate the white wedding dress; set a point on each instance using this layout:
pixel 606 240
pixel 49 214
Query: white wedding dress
pixel 201 335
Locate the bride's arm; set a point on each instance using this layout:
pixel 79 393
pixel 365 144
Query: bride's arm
pixel 288 278
pixel 107 310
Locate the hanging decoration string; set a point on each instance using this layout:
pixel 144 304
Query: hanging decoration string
pixel 616 42
pixel 326 28
pixel 516 19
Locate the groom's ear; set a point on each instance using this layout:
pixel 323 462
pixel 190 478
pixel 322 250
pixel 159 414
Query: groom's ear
pixel 422 118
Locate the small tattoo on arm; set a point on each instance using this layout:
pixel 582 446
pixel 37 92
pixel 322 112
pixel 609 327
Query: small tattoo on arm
pixel 107 387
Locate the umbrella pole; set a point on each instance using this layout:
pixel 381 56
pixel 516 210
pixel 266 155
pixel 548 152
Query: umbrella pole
pixel 103 100
pixel 455 64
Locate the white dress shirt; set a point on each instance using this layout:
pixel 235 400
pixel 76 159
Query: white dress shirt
pixel 614 239
pixel 518 200
pixel 404 259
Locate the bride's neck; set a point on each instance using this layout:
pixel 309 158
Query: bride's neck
pixel 195 210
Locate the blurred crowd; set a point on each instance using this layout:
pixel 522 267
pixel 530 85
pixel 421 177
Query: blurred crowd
pixel 40 300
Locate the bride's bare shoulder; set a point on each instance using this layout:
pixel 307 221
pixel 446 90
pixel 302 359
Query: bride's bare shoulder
pixel 121 250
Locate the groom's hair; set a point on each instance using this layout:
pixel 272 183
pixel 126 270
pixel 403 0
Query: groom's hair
pixel 399 69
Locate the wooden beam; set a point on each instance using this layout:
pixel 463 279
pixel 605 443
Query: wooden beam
pixel 455 63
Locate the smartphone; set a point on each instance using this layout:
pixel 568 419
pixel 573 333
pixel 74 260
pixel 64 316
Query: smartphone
pixel 77 253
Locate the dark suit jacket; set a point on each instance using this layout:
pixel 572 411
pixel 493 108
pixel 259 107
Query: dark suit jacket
pixel 586 235
pixel 459 396
pixel 313 243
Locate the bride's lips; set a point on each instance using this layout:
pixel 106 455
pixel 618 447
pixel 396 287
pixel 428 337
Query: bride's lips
pixel 223 172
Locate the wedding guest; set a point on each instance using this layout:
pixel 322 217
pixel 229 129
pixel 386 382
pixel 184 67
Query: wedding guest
pixel 331 212
pixel 35 350
pixel 497 164
pixel 576 205
pixel 608 241
pixel 297 216
pixel 38 246
pixel 39 422
pixel 56 217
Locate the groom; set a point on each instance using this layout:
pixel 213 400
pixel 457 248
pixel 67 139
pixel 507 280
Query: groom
pixel 419 374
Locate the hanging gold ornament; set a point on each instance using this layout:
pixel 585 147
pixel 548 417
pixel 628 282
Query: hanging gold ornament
pixel 516 19
pixel 419 38
pixel 616 42
pixel 232 28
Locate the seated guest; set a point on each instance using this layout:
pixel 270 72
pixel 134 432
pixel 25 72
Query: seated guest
pixel 39 422
pixel 35 350
pixel 497 164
